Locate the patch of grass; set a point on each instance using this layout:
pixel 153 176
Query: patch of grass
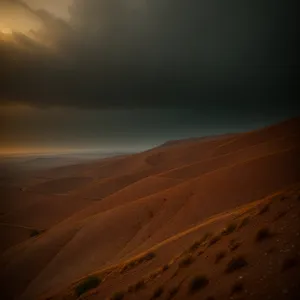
pixel 236 263
pixel 264 209
pixel 229 229
pixel 214 240
pixel 197 283
pixel 289 263
pixel 237 287
pixel 220 255
pixel 147 257
pixel 158 292
pixel 87 284
pixel 186 261
pixel 173 291
pixel 263 234
pixel 118 296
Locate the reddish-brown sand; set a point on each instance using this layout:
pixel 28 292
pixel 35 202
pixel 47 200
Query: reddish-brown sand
pixel 96 218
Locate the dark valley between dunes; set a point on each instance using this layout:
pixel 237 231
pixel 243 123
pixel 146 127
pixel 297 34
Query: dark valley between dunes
pixel 208 218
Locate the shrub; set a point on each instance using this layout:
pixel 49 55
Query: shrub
pixel 234 244
pixel 219 256
pixel 236 263
pixel 205 237
pixel 237 288
pixel 195 246
pixel 264 209
pixel 173 291
pixel 244 222
pixel 148 256
pixel 165 267
pixel 263 234
pixel 289 263
pixel 198 283
pixel 229 229
pixel 214 240
pixel 158 292
pixel 34 232
pixel 118 296
pixel 136 287
pixel 186 261
pixel 87 284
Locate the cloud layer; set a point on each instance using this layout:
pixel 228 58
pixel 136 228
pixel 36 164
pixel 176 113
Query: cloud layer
pixel 165 53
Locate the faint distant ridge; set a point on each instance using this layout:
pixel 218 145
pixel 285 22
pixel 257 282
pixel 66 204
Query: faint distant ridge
pixel 195 139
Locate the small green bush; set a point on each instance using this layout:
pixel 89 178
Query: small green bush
pixel 197 283
pixel 87 284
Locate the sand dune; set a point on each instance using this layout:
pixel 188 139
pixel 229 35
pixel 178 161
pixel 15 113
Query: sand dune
pixel 133 203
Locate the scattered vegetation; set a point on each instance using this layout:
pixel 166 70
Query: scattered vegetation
pixel 87 284
pixel 263 234
pixel 136 287
pixel 229 229
pixel 214 240
pixel 219 256
pixel 238 287
pixel 197 283
pixel 236 263
pixel 195 246
pixel 118 296
pixel 173 291
pixel 158 292
pixel 289 263
pixel 205 237
pixel 244 222
pixel 186 261
pixel 147 257
pixel 264 209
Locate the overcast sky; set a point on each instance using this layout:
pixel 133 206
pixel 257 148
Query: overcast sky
pixel 121 73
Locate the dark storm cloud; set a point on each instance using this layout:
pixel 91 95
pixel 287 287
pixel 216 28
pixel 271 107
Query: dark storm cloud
pixel 167 53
